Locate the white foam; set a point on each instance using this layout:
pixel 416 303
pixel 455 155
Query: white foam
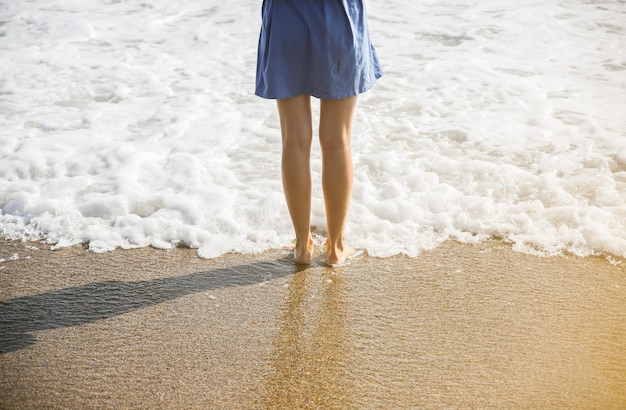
pixel 130 125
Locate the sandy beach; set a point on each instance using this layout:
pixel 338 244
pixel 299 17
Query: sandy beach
pixel 135 124
pixel 462 326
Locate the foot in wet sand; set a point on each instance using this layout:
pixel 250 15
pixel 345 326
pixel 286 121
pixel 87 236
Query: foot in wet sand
pixel 304 254
pixel 339 257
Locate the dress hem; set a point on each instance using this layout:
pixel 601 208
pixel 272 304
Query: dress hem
pixel 314 94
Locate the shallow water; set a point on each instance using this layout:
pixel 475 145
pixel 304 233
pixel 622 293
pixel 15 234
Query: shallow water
pixel 128 124
pixel 462 326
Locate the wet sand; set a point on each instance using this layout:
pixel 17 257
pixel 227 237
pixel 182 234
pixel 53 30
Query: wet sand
pixel 462 326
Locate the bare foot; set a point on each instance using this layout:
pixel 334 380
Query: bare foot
pixel 304 254
pixel 337 257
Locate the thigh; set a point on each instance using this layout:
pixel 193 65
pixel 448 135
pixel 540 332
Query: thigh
pixel 295 118
pixel 336 120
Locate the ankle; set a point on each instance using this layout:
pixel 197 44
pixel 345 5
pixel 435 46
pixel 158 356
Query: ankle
pixel 308 242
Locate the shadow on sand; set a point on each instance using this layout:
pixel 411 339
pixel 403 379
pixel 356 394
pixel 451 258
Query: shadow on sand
pixel 89 303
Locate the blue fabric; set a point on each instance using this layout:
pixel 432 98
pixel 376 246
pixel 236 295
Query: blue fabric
pixel 316 47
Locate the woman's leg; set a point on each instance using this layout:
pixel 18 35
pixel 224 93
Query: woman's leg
pixel 335 132
pixel 297 133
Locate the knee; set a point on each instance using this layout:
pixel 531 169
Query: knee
pixel 297 142
pixel 333 142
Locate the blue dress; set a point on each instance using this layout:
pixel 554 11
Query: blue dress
pixel 315 47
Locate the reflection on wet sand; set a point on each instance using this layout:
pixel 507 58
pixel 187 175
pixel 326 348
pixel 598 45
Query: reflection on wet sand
pixel 461 327
pixel 309 368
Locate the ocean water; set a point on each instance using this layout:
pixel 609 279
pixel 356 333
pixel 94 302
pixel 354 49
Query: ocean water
pixel 131 123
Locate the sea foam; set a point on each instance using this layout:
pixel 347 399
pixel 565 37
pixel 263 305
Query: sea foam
pixel 130 124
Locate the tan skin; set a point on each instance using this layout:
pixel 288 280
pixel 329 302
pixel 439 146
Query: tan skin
pixel 335 130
